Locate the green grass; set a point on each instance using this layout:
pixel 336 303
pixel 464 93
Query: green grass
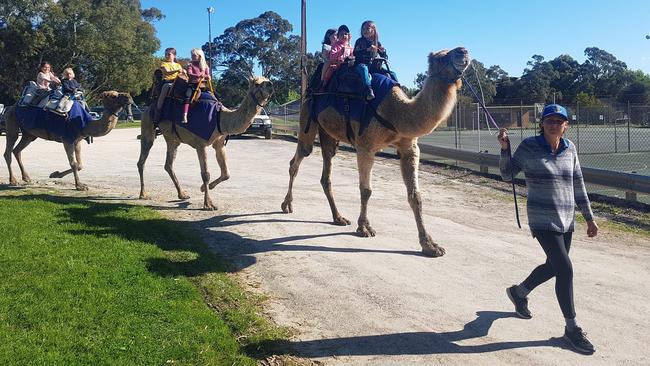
pixel 133 124
pixel 92 283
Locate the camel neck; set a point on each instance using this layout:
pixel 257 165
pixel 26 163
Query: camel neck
pixel 237 121
pixel 422 114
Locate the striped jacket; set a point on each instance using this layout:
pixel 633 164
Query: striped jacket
pixel 554 180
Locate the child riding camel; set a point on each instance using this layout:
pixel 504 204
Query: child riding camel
pixel 198 74
pixel 341 50
pixel 170 70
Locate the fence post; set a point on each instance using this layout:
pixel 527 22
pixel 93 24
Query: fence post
pixel 456 125
pixel 578 127
pixel 521 127
pixel 630 196
pixel 629 117
pixel 609 116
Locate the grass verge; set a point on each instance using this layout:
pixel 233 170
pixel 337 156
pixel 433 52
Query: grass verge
pixel 134 124
pixel 96 283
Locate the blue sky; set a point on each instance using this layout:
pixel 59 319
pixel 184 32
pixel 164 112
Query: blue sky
pixel 496 32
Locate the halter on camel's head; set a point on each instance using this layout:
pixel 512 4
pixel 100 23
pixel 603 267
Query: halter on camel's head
pixel 449 65
pixel 116 101
pixel 261 90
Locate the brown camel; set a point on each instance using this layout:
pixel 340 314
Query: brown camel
pixel 412 118
pixel 113 102
pixel 232 122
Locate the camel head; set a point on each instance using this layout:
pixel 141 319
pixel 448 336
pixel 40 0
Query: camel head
pixel 114 101
pixel 260 89
pixel 449 65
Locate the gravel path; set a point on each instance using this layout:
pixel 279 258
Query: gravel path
pixel 358 301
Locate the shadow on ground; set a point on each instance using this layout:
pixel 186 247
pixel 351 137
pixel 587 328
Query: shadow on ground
pixel 415 343
pixel 112 219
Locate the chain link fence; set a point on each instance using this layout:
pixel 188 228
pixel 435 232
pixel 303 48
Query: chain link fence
pixel 613 137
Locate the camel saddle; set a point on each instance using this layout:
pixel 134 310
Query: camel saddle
pixel 346 93
pixel 202 118
pixel 50 100
pixel 58 128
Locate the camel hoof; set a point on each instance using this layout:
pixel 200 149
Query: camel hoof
pixel 82 187
pixel 341 221
pixel 183 196
pixel 12 182
pixel 434 252
pixel 56 174
pixel 366 231
pixel 286 207
pixel 431 249
pixel 27 179
pixel 144 196
pixel 209 207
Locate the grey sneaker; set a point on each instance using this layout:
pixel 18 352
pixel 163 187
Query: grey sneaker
pixel 578 340
pixel 521 304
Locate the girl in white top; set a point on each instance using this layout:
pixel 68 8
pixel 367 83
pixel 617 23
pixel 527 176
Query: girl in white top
pixel 46 76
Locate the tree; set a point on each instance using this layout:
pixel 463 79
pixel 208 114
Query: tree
pixel 566 75
pixel 263 44
pixel 602 74
pixel 109 44
pixel 476 75
pixel 638 91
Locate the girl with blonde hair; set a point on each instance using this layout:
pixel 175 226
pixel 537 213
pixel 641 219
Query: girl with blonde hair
pixel 198 76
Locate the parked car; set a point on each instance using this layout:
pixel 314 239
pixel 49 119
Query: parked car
pixel 262 125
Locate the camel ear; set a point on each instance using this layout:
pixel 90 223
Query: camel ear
pixel 432 57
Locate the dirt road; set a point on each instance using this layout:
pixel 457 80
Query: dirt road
pixel 358 301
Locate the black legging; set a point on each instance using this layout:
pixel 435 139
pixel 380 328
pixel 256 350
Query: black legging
pixel 556 246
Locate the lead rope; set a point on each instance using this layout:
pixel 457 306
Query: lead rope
pixel 490 119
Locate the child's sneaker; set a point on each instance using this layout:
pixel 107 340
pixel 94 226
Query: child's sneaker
pixel 370 95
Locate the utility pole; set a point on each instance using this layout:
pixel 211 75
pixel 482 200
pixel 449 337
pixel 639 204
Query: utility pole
pixel 303 48
pixel 210 11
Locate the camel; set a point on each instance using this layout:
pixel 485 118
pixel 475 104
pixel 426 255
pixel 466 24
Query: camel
pixel 113 102
pixel 411 118
pixel 232 122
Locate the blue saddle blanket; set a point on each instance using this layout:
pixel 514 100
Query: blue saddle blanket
pixel 202 117
pixel 59 128
pixel 360 109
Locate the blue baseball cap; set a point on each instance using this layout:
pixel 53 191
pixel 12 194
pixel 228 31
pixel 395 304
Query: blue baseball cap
pixel 555 110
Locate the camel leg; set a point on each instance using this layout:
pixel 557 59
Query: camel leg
pixel 22 144
pixel 12 137
pixel 328 149
pixel 77 153
pixel 205 176
pixel 172 146
pixel 409 162
pixel 147 138
pixel 69 150
pixel 365 161
pixel 220 150
pixel 303 149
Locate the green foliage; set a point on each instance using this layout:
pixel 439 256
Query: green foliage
pixel 476 75
pixel 587 100
pixel 109 44
pixel 263 43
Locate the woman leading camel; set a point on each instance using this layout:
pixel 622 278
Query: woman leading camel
pixel 555 187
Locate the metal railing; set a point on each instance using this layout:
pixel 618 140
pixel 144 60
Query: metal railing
pixel 627 182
